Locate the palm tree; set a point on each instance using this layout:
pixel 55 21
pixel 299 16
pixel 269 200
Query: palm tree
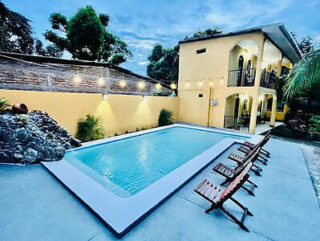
pixel 304 77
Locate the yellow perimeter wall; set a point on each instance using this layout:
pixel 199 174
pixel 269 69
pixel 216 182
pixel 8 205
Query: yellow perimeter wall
pixel 118 113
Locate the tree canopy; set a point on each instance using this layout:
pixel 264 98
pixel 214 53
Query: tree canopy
pixel 164 63
pixel 305 44
pixel 85 37
pixel 15 32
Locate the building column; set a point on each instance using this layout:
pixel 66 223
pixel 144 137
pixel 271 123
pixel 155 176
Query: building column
pixel 253 115
pixel 259 63
pixel 273 111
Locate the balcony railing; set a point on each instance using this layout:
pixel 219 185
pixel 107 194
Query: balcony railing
pixel 244 77
pixel 268 80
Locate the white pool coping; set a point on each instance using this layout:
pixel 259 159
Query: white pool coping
pixel 120 214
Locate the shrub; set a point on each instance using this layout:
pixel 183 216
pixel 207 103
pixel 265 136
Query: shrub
pixel 3 104
pixel 314 124
pixel 165 117
pixel 89 129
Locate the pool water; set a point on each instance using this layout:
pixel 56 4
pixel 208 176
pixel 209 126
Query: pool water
pixel 129 165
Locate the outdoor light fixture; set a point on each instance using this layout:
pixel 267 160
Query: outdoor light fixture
pixel 211 83
pixel 158 86
pixel 77 78
pixel 141 84
pixel 100 81
pixel 105 96
pixel 144 98
pixel 200 83
pixel 173 86
pixel 122 83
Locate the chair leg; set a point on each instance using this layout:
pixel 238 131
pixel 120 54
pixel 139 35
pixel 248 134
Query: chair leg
pixel 235 219
pixel 257 171
pixel 225 182
pixel 262 160
pixel 240 205
pixel 211 208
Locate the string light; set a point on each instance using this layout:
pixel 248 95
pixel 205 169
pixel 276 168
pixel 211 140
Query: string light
pixel 122 83
pixel 141 84
pixel 173 86
pixel 158 86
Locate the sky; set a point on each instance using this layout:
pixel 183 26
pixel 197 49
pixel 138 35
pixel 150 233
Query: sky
pixel 144 23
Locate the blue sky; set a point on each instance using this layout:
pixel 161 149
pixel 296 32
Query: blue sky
pixel 143 23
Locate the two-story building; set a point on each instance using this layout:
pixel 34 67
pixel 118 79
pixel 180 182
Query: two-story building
pixel 230 79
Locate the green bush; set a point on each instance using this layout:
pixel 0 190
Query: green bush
pixel 314 124
pixel 165 117
pixel 3 104
pixel 89 129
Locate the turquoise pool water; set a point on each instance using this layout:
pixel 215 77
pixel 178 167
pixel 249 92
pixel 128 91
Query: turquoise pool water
pixel 129 165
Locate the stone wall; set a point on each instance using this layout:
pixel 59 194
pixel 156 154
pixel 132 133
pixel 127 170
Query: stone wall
pixel 23 72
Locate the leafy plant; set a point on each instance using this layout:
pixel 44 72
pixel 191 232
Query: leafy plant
pixel 165 117
pixel 304 77
pixel 89 129
pixel 314 124
pixel 3 104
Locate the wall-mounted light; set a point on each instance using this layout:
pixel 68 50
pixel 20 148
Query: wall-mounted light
pixel 144 98
pixel 211 83
pixel 122 83
pixel 77 79
pixel 141 85
pixel 158 86
pixel 105 96
pixel 100 81
pixel 173 86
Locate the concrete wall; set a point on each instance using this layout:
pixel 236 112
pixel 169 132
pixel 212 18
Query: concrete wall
pixel 118 113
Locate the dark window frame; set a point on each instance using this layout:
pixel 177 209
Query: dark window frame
pixel 201 51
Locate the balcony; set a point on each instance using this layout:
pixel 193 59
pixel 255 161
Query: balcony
pixel 242 77
pixel 269 80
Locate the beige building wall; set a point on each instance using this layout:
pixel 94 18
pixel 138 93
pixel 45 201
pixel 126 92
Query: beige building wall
pixel 212 69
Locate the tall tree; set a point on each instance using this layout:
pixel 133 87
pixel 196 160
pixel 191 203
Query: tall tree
pixel 15 32
pixel 85 37
pixel 164 63
pixel 305 44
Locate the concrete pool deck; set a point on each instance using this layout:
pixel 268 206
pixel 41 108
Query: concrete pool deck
pixel 35 206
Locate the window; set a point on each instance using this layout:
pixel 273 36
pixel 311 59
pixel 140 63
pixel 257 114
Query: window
pixel 200 51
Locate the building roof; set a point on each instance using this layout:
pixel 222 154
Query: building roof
pixel 276 33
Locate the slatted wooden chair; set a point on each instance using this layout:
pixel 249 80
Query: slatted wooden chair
pixel 240 159
pixel 218 196
pixel 262 143
pixel 246 147
pixel 231 173
pixel 259 158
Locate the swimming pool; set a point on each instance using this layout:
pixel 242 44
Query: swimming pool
pixel 129 165
pixel 122 179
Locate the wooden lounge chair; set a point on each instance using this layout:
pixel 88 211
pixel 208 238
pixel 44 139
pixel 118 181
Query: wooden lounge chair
pixel 218 196
pixel 265 139
pixel 231 173
pixel 240 159
pixel 246 151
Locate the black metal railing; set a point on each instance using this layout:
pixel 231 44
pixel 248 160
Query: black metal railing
pixel 243 77
pixel 236 123
pixel 268 80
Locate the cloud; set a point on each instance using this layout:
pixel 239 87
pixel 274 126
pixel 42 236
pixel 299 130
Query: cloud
pixel 143 63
